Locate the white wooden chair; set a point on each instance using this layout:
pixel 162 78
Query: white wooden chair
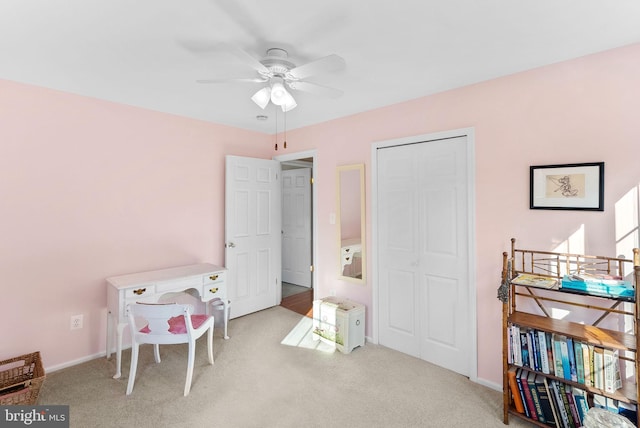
pixel 167 324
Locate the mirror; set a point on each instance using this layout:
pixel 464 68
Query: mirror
pixel 350 222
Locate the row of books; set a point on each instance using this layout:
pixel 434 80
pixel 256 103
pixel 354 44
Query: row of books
pixel 555 403
pixel 564 357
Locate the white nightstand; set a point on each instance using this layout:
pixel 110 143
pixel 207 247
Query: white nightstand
pixel 339 321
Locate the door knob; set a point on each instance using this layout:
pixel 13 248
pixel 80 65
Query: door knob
pixel 231 245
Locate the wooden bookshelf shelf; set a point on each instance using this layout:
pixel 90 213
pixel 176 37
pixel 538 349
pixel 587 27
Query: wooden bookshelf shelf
pixel 584 333
pixel 555 369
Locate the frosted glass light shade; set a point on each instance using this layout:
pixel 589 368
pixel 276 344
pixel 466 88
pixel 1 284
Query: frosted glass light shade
pixel 262 97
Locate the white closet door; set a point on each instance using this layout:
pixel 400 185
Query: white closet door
pixel 423 251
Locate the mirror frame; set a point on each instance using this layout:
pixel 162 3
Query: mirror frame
pixel 339 171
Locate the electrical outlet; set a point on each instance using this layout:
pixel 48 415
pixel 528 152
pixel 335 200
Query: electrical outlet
pixel 76 322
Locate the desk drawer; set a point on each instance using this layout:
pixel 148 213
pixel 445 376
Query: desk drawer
pixel 179 284
pixel 215 286
pixel 214 277
pixel 140 291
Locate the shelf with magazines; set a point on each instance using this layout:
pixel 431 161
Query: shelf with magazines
pixel 569 336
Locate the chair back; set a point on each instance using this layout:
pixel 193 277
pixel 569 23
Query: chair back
pixel 162 319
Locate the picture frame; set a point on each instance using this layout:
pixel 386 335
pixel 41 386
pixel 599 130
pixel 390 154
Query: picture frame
pixel 577 186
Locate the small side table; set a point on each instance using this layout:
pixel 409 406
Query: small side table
pixel 339 321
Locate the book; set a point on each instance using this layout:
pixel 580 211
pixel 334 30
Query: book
pixel 599 287
pixel 598 367
pixel 515 345
pixel 530 280
pixel 544 355
pixel 533 388
pixel 553 404
pixel 564 357
pixel 580 398
pixel 599 401
pixel 534 351
pixel 528 403
pixel 560 408
pixel 521 389
pixel 572 406
pixel 565 400
pixel 587 364
pixel 510 355
pixel 577 346
pixel 515 391
pixel 572 360
pixel 557 356
pixel 612 378
pixel 552 369
pixel 629 411
pixel 543 397
pixel 524 348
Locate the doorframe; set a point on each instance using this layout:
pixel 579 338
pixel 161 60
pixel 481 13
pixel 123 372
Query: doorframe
pixel 314 207
pixel 469 133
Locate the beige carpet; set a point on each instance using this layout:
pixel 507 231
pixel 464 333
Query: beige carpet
pixel 257 381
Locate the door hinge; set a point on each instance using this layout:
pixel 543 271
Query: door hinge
pixel 311 268
pixel 311 180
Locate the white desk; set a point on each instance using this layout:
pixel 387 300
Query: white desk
pixel 204 280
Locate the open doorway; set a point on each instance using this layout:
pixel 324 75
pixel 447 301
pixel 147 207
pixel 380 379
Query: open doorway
pixel 298 232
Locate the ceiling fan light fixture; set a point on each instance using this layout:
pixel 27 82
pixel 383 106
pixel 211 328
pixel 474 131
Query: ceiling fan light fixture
pixel 262 97
pixel 279 94
pixel 289 104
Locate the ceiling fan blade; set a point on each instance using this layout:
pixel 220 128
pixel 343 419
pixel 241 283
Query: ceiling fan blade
pixel 202 46
pixel 326 64
pixel 247 80
pixel 248 59
pixel 316 89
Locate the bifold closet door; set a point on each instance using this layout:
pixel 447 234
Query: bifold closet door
pixel 423 249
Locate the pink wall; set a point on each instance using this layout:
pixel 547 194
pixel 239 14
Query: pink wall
pixel 585 110
pixel 91 189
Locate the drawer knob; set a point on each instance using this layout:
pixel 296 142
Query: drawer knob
pixel 213 278
pixel 347 258
pixel 213 290
pixel 347 250
pixel 139 291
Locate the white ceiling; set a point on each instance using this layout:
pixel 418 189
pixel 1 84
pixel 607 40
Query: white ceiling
pixel 146 53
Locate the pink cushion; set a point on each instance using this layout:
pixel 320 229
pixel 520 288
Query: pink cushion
pixel 177 325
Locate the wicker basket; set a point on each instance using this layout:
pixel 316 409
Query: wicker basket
pixel 20 379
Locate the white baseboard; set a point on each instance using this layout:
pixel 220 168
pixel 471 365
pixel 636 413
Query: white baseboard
pixel 74 362
pixel 488 384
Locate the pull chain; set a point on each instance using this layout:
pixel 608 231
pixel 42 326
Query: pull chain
pixel 276 108
pixel 285 129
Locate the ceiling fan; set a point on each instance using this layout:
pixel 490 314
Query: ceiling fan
pixel 278 73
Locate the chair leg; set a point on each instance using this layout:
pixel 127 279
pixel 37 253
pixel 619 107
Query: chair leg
pixel 210 344
pixel 156 352
pixel 191 360
pixel 134 366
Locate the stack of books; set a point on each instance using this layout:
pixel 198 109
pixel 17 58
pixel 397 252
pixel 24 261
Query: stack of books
pixel 599 285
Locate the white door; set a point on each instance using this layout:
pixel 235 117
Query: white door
pixel 252 233
pixel 423 251
pixel 296 226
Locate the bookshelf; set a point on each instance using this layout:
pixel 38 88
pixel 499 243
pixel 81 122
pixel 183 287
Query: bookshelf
pixel 558 357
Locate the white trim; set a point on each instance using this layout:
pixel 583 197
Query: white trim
pixel 469 133
pixel 76 362
pixel 314 209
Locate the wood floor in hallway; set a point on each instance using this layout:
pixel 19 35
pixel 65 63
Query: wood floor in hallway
pixel 301 303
